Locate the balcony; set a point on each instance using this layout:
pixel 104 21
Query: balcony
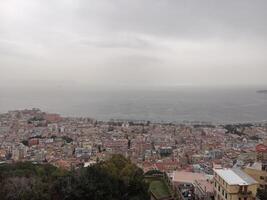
pixel 245 193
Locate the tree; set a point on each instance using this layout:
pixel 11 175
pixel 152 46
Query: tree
pixel 262 194
pixel 67 139
pixel 129 143
pixel 25 142
pixel 114 179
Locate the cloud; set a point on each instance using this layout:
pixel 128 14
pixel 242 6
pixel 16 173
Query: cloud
pixel 160 42
pixel 125 40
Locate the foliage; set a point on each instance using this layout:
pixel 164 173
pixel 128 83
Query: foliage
pixel 262 194
pixel 67 139
pixel 115 179
pixel 27 181
pixel 237 129
pixel 25 142
pixel 254 137
pixel 35 118
pixel 159 189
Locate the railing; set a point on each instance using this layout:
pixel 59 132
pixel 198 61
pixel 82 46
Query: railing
pixel 154 197
pixel 245 193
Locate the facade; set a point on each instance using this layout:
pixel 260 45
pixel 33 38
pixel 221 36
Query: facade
pixel 184 183
pixel 261 153
pixel 165 151
pixel 234 184
pixel 203 190
pixel 258 171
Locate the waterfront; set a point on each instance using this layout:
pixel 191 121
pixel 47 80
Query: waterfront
pixel 165 104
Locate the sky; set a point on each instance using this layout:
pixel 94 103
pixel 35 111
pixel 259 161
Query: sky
pixel 133 42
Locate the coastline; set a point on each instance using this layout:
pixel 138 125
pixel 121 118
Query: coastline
pixel 144 121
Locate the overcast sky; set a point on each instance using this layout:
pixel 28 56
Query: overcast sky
pixel 133 42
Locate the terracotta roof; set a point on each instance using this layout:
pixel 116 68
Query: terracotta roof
pixel 261 148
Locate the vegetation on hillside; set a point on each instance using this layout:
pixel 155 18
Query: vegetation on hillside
pixel 115 179
pixel 262 194
pixel 237 129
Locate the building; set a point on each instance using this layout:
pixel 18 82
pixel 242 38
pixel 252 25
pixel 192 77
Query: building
pixel 261 153
pixel 33 141
pixel 203 190
pixel 165 151
pixel 19 152
pixel 183 183
pixel 234 184
pixel 52 118
pixel 215 154
pixel 184 177
pixel 258 171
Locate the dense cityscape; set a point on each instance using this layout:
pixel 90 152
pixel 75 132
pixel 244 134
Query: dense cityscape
pixel 133 100
pixel 196 160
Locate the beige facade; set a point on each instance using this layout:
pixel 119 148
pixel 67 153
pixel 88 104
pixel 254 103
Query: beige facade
pixel 258 171
pixel 233 184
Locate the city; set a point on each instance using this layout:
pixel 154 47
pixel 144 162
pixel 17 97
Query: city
pixel 133 100
pixel 198 158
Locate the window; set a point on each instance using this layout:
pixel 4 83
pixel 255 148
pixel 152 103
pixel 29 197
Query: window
pixel 223 192
pixel 225 195
pixel 245 188
pixel 261 177
pixel 219 188
pixel 215 184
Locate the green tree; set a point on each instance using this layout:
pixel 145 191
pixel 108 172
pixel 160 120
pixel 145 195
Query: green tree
pixel 114 179
pixel 262 194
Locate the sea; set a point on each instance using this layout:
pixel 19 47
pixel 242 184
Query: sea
pixel 157 104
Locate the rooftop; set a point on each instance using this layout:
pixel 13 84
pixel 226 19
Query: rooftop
pixel 235 176
pixel 187 177
pixel 261 148
pixel 255 165
pixel 205 185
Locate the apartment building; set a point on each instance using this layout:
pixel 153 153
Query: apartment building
pixel 234 184
pixel 258 171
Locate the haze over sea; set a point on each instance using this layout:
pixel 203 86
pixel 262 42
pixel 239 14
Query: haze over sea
pixel 169 104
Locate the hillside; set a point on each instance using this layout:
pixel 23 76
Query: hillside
pixel 115 179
